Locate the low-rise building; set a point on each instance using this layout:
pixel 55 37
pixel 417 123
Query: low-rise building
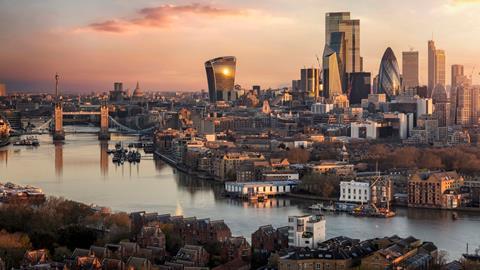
pixel 306 231
pixel 354 192
pixel 435 190
pixel 268 188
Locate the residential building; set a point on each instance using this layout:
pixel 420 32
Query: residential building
pixel 306 231
pixel 434 190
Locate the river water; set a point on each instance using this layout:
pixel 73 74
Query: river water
pixel 79 169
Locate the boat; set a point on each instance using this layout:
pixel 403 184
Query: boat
pixel 316 207
pixel 28 141
pixel 4 132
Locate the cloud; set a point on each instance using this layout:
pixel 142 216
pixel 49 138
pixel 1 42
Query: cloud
pixel 164 16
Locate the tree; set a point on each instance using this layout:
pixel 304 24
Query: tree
pixel 298 156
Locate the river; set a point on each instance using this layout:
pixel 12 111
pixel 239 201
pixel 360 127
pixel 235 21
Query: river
pixel 79 169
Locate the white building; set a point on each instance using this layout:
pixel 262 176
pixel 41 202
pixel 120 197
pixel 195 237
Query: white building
pixel 365 130
pixel 321 108
pixel 424 106
pixel 269 188
pixel 306 231
pixel 354 192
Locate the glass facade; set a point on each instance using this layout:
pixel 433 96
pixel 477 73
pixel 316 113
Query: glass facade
pixel 221 78
pixel 389 75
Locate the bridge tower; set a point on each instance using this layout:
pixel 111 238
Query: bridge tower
pixel 58 132
pixel 104 134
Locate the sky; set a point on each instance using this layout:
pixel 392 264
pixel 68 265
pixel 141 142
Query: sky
pixel 164 44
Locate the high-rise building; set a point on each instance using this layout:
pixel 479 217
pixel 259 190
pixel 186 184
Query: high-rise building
pixel 360 86
pixel 410 69
pixel 389 75
pixel 3 90
pixel 457 79
pixel 431 66
pixel 310 81
pixel 338 44
pixel 118 86
pixel 441 105
pixel 221 78
pixel 332 83
pixel 440 67
pixel 463 104
pixel 457 70
pixel 341 22
pixel 424 106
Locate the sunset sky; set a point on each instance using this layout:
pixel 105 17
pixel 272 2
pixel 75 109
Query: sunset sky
pixel 164 44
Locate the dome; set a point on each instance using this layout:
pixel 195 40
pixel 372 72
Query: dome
pixel 137 92
pixel 389 75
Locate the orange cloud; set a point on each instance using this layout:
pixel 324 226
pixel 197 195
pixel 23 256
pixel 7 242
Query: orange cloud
pixel 162 17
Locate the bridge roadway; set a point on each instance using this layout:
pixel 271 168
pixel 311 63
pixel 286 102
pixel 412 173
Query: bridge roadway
pixel 81 113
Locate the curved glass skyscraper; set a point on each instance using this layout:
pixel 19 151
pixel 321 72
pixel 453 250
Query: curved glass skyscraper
pixel 221 78
pixel 389 75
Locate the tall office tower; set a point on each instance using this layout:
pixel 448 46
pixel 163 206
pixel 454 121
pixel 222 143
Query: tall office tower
pixel 296 85
pixel 389 75
pixel 463 104
pixel 475 105
pixel 457 79
pixel 332 83
pixel 410 69
pixel 341 22
pixel 310 81
pixel 441 105
pixel 431 66
pixel 221 78
pixel 360 86
pixel 3 90
pixel 457 70
pixel 256 89
pixel 440 68
pixel 338 44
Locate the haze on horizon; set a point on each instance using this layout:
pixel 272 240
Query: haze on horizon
pixel 164 44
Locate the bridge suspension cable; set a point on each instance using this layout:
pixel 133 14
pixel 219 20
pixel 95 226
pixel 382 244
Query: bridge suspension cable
pixel 115 124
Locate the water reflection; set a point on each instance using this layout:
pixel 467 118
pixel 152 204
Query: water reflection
pixel 4 156
pixel 58 159
pixel 104 158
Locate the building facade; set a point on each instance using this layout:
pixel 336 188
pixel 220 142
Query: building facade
pixel 306 231
pixel 389 75
pixel 221 78
pixel 410 69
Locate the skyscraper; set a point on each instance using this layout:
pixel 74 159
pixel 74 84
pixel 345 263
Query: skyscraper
pixel 457 78
pixel 341 22
pixel 338 44
pixel 389 75
pixel 431 66
pixel 221 78
pixel 410 69
pixel 310 81
pixel 440 68
pixel 457 71
pixel 442 105
pixel 332 83
pixel 463 104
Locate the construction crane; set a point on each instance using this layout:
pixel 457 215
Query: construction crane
pixel 471 74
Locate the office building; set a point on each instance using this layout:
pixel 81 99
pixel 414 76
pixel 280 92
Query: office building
pixel 410 69
pixel 441 105
pixel 463 104
pixel 306 231
pixel 431 66
pixel 310 81
pixel 3 90
pixel 440 67
pixel 424 106
pixel 221 78
pixel 256 89
pixel 389 75
pixel 457 73
pixel 332 83
pixel 338 44
pixel 360 86
pixel 341 22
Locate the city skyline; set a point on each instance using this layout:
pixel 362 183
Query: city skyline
pixel 151 41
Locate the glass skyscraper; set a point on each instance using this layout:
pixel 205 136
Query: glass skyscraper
pixel 410 69
pixel 221 78
pixel 332 83
pixel 389 75
pixel 341 22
